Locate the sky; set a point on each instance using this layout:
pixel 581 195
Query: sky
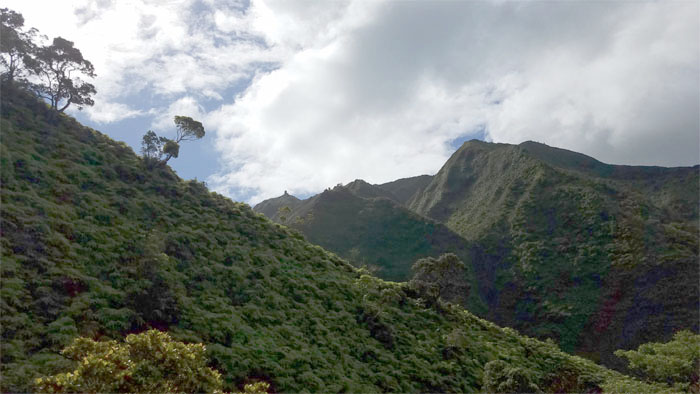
pixel 303 95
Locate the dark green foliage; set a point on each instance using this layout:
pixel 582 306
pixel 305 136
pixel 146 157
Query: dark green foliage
pixel 59 67
pixel 443 277
pixel 188 129
pixel 158 150
pixel 557 244
pixel 94 246
pixel 16 44
pixel 499 377
pixel 571 248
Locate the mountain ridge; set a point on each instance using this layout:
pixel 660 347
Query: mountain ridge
pixel 564 246
pixel 94 244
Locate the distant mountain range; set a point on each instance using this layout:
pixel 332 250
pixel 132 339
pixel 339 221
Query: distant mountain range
pixel 558 245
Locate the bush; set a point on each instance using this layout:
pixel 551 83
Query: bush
pixel 147 362
pixel 499 377
pixel 675 363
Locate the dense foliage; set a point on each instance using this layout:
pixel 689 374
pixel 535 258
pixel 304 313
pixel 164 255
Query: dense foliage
pixel 93 245
pixel 595 256
pixel 676 363
pixel 150 362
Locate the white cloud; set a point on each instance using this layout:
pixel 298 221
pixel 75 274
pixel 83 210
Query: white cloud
pixel 162 50
pixel 378 91
pixel 185 106
pixel 107 112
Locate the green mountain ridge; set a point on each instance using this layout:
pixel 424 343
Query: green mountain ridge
pixel 560 245
pixel 94 244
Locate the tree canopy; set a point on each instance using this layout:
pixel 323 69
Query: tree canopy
pixel 675 363
pixel 157 149
pixel 443 277
pixel 147 362
pixel 16 43
pixel 54 72
pixel 59 67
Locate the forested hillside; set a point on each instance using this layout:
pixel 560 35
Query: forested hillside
pixel 597 257
pixel 95 243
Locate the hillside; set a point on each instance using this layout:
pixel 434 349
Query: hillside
pixel 596 256
pixel 364 224
pixel 95 244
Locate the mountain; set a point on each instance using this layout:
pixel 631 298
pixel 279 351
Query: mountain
pixel 365 224
pixel 403 189
pixel 595 256
pixel 94 243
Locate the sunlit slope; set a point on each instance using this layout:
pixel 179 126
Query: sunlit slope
pixel 94 244
pixel 597 256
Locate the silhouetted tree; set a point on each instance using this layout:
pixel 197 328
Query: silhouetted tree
pixel 157 149
pixel 59 67
pixel 16 44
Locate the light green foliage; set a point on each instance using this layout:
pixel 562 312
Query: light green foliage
pixel 256 388
pixel 676 362
pixel 147 362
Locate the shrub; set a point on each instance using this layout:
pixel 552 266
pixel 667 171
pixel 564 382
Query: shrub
pixel 147 362
pixel 499 377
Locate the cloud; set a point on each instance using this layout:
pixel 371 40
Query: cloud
pixel 162 51
pixel 309 94
pixel 378 91
pixel 185 106
pixel 108 112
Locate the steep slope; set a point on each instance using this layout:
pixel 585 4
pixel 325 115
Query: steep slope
pixel 597 256
pixel 363 189
pixel 363 223
pixel 94 244
pixel 403 189
pixel 271 207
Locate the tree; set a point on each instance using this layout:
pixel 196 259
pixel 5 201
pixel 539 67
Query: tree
pixel 675 363
pixel 59 67
pixel 443 277
pixel 158 150
pixel 16 44
pixel 147 362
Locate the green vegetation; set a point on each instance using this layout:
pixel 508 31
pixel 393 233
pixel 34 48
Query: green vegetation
pixel 556 244
pixel 675 363
pixel 57 67
pixel 442 277
pixel 150 362
pixel 582 251
pixel 93 245
pixel 158 150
